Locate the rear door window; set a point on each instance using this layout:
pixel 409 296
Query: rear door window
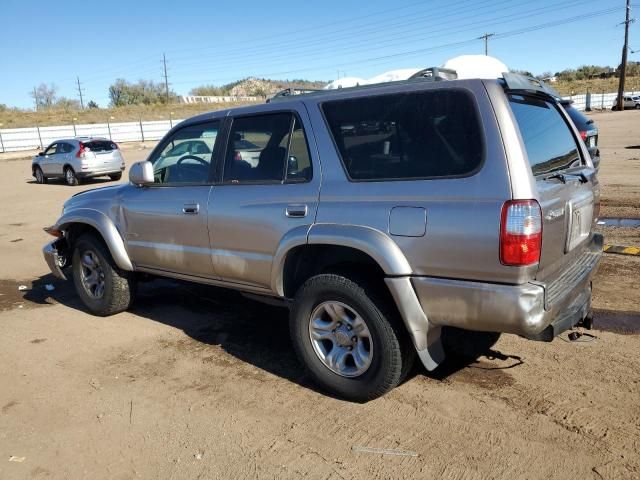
pixel 548 140
pixel 268 148
pixel 428 134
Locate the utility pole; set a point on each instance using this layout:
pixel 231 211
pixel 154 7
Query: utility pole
pixel 623 65
pixel 80 93
pixel 485 37
pixel 166 79
pixel 35 97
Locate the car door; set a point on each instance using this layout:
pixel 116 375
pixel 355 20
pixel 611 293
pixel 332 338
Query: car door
pixel 256 203
pixel 166 223
pixel 48 159
pixel 63 157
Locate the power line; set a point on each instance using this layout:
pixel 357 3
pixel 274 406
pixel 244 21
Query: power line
pixel 351 47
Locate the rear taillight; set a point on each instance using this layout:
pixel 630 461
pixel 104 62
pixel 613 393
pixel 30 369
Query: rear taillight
pixel 80 152
pixel 237 156
pixel 583 135
pixel 520 233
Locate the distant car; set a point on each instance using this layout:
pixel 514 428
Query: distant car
pixel 75 159
pixel 628 102
pixel 587 128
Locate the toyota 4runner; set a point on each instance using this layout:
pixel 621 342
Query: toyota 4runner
pixel 378 214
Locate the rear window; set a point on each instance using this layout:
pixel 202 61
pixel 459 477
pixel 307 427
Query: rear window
pixel 415 135
pixel 581 121
pixel 100 146
pixel 549 143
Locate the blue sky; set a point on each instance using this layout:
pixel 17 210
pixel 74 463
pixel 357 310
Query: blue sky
pixel 209 42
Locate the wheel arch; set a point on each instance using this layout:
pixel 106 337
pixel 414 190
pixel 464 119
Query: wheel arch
pixel 311 250
pixel 92 220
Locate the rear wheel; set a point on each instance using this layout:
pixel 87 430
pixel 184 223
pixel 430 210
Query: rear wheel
pixel 115 176
pixel 70 176
pixel 40 178
pixel 101 285
pixel 348 338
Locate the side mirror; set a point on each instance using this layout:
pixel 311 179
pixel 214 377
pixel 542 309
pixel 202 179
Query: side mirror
pixel 141 173
pixel 41 154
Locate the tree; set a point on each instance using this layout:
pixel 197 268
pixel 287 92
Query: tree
pixel 92 104
pixel 44 96
pixel 67 103
pixel 144 92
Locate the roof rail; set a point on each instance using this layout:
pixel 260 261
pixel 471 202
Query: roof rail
pixel 436 74
pixel 431 74
pixel 287 92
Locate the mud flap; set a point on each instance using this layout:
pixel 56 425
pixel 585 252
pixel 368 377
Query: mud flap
pixel 425 336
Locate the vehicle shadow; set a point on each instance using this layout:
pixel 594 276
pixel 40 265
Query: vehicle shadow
pixel 252 331
pixel 88 181
pixel 632 147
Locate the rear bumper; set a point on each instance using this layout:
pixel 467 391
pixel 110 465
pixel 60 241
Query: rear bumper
pixel 54 260
pixel 99 172
pixel 534 310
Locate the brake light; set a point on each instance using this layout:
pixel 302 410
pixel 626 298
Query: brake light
pixel 583 135
pixel 520 233
pixel 237 156
pixel 80 153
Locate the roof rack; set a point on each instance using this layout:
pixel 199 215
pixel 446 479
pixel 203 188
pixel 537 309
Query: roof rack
pixel 431 74
pixel 287 92
pixel 436 74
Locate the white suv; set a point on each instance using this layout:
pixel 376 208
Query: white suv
pixel 78 158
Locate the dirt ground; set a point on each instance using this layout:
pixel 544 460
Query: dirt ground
pixel 198 382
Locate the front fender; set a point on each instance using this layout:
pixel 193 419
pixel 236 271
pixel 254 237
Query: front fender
pixel 105 226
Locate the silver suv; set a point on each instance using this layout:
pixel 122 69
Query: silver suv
pixel 75 159
pixel 378 214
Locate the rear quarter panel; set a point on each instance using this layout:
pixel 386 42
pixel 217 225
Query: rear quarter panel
pixel 461 238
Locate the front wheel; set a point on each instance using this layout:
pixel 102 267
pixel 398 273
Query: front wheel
pixel 115 176
pixel 101 285
pixel 40 178
pixel 70 176
pixel 637 106
pixel 349 338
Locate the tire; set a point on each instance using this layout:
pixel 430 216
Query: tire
pixel 115 176
pixel 40 178
pixel 70 177
pixel 115 292
pixel 637 106
pixel 388 352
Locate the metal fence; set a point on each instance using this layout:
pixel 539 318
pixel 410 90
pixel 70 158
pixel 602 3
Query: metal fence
pixel 596 100
pixel 16 139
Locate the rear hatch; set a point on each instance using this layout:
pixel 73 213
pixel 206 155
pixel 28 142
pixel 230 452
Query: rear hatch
pixel 566 185
pixel 102 154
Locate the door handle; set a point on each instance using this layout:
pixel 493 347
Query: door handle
pixel 296 211
pixel 191 208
